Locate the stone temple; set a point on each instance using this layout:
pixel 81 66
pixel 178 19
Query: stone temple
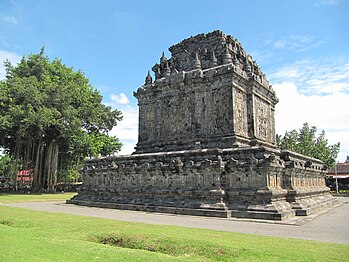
pixel 206 143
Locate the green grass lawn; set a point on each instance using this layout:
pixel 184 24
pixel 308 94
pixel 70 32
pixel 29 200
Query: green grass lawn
pixel 27 235
pixel 13 198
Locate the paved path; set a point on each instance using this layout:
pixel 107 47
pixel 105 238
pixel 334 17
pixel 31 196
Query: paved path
pixel 331 225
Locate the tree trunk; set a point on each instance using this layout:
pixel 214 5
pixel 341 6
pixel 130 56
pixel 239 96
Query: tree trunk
pixel 51 166
pixel 37 167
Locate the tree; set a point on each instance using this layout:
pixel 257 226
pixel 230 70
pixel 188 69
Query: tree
pixel 51 118
pixel 7 167
pixel 305 142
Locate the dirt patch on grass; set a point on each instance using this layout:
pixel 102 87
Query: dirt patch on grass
pixel 168 246
pixel 132 242
pixel 7 222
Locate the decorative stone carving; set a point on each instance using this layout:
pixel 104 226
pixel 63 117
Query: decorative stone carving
pixel 197 96
pixel 196 62
pixel 148 79
pixel 207 143
pixel 213 60
pixel 226 57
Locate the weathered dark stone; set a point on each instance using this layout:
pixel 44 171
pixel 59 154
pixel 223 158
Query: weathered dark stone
pixel 207 143
pixel 201 98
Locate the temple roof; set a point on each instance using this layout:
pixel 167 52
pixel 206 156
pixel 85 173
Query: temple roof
pixel 206 51
pixel 340 169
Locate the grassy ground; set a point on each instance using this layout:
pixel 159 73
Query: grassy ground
pixel 12 198
pixel 27 235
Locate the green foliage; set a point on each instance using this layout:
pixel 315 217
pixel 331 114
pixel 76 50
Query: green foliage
pixel 43 236
pixel 70 175
pixel 305 142
pixel 8 167
pixel 52 118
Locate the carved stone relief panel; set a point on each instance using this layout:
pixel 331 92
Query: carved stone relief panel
pixel 240 112
pixel 262 116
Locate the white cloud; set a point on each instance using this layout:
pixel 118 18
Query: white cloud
pixel 128 148
pixel 127 129
pixel 8 19
pixel 120 98
pixel 6 55
pixel 327 113
pixel 279 44
pixel 327 2
pixel 316 92
pixel 323 77
pixel 297 43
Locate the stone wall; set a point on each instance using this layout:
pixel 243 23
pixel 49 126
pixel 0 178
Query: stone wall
pixel 253 182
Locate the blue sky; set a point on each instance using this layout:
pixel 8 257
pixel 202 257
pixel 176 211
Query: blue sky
pixel 302 47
